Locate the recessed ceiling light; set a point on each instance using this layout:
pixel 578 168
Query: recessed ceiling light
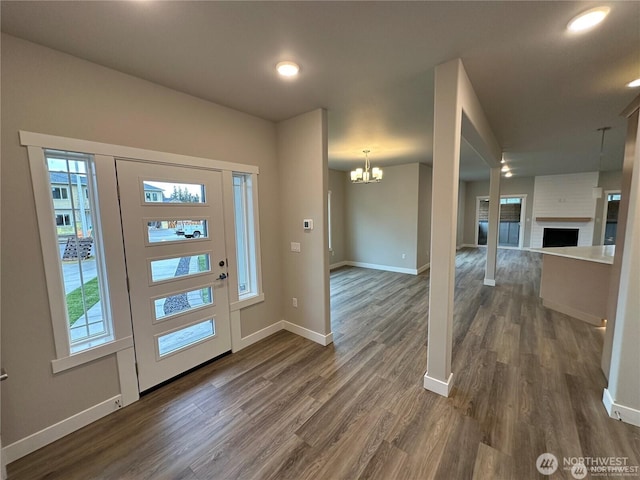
pixel 587 20
pixel 505 168
pixel 634 84
pixel 508 174
pixel 288 69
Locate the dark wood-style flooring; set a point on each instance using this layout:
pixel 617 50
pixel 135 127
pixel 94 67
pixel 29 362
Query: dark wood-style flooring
pixel 526 381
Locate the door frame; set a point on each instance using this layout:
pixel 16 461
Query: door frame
pixel 106 154
pixel 522 222
pixel 155 368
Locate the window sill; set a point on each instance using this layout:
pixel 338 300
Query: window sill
pixel 65 363
pixel 240 304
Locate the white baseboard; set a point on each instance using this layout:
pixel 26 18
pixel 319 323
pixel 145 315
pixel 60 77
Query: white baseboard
pixel 244 342
pixel 573 312
pixel 323 340
pixel 467 245
pixel 424 268
pixel 50 434
pixel 333 266
pixel 489 282
pixel 438 386
pixel 620 412
pixel 387 268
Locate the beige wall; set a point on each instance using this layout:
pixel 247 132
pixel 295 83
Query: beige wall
pixel 508 186
pixel 302 152
pixel 381 219
pixel 424 216
pixel 337 181
pixel 49 92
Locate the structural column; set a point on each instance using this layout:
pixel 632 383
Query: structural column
pixel 446 155
pixel 622 395
pixel 494 223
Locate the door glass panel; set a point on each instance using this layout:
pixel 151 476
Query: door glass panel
pixel 170 192
pixel 182 302
pixel 171 230
pixel 182 338
pixel 168 268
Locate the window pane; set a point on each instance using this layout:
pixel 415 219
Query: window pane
pixel 180 339
pixel 87 313
pixel 182 302
pixel 241 194
pixel 171 230
pixel 169 268
pixel 169 192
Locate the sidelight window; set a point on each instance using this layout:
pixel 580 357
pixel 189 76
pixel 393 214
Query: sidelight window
pixel 245 234
pixel 79 248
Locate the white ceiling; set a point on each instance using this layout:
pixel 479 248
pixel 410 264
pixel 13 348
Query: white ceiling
pixel 371 65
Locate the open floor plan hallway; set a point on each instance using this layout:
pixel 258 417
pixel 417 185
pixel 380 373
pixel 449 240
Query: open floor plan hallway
pixel 527 380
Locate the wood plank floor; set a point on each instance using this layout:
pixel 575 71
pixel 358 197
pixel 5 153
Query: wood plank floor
pixel 526 381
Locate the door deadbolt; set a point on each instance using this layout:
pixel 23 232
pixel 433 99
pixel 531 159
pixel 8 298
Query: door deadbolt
pixel 221 263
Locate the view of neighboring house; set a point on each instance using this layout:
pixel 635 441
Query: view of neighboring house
pixel 68 204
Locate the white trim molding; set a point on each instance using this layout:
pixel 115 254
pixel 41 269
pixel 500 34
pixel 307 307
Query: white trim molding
pixel 323 340
pixel 50 434
pixel 424 268
pixel 238 342
pixel 55 142
pixel 65 363
pixel 438 386
pixel 387 268
pixel 620 412
pixel 333 266
pixel 128 376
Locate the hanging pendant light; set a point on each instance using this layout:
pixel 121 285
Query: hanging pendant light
pixel 366 175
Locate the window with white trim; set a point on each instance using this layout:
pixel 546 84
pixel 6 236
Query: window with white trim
pixel 79 247
pixel 245 235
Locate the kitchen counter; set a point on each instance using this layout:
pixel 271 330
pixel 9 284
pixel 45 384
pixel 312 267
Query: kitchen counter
pixel 575 280
pixel 597 253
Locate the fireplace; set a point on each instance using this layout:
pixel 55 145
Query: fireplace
pixel 560 237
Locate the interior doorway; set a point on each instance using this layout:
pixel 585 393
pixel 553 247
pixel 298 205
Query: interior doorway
pixel 510 231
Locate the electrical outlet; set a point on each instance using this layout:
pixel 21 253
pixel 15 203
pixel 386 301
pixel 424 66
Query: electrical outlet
pixel 294 302
pixel 295 247
pixel 404 255
pixel 118 403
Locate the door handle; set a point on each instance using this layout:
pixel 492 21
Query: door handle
pixel 3 375
pixel 222 276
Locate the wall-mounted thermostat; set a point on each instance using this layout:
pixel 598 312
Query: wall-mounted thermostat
pixel 307 224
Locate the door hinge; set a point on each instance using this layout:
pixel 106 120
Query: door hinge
pixel 128 285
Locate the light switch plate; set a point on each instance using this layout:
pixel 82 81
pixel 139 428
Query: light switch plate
pixel 295 247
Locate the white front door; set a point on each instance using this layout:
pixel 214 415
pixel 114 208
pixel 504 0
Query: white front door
pixel 172 222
